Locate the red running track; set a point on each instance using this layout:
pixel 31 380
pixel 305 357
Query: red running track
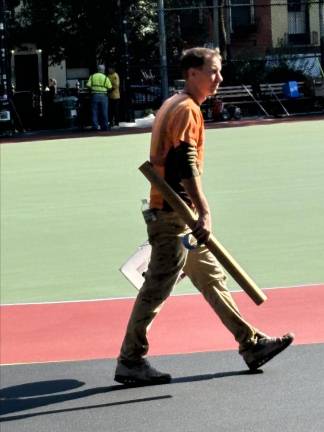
pixel 186 324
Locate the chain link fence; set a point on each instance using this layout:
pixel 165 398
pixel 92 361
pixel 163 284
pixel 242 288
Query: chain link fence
pixel 260 41
pixel 273 32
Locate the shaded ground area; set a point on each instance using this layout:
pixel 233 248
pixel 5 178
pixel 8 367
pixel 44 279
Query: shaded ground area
pixel 210 392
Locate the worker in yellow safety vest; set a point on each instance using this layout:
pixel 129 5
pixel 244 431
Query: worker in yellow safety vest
pixel 99 84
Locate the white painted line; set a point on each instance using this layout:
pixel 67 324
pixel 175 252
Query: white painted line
pixel 53 361
pixel 133 297
pixel 69 301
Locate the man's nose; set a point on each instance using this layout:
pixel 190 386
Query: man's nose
pixel 219 78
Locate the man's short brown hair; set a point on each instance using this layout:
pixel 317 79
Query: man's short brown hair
pixel 195 57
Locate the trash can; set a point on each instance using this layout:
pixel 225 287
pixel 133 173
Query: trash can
pixel 70 110
pixel 6 126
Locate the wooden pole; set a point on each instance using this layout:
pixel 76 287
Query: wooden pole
pixel 215 247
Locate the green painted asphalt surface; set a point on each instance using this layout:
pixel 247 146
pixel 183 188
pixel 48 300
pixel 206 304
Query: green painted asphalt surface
pixel 70 209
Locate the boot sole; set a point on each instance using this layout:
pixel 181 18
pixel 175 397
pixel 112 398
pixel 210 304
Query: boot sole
pixel 130 381
pixel 256 364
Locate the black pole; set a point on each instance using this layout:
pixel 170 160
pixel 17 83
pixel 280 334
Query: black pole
pixel 127 112
pixel 6 103
pixel 215 24
pixel 4 57
pixel 163 52
pixel 127 85
pixel 321 20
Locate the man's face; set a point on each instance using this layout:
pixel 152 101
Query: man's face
pixel 208 77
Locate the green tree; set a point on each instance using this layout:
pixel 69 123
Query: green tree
pixel 90 31
pixel 84 31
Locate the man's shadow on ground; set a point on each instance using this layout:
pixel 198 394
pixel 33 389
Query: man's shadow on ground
pixel 39 394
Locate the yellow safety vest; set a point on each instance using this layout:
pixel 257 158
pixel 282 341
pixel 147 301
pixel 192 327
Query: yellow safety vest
pixel 99 83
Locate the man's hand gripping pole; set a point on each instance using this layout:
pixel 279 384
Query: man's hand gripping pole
pixel 215 247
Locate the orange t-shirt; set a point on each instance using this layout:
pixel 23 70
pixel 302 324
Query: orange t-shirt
pixel 179 120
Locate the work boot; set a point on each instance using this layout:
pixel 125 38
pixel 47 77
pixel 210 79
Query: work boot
pixel 139 373
pixel 265 349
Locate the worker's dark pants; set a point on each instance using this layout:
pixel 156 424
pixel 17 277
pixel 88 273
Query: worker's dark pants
pixel 99 111
pixel 114 111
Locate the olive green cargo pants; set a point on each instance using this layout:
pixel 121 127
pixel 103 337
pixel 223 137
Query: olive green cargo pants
pixel 168 258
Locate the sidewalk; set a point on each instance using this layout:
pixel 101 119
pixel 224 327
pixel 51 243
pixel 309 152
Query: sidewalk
pixel 138 126
pixel 144 125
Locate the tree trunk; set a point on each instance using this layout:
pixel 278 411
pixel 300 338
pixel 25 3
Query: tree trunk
pixel 222 28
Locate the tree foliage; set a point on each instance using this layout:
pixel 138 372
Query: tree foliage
pixel 84 31
pixel 90 31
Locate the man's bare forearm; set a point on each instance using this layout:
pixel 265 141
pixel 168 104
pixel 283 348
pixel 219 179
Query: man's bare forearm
pixel 193 187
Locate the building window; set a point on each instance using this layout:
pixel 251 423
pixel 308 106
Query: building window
pixel 298 22
pixel 242 14
pixel 294 5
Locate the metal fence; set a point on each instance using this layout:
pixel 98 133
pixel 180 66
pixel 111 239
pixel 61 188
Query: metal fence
pixel 260 40
pixel 248 28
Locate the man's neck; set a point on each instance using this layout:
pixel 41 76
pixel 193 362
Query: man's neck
pixel 194 93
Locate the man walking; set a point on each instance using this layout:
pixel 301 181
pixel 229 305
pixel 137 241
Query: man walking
pixel 177 152
pixel 99 84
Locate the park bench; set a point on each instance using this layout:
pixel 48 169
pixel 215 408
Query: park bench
pixel 263 99
pixel 266 99
pixel 243 92
pixel 319 87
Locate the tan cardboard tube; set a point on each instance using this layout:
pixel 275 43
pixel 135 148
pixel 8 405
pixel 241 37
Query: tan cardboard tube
pixel 216 248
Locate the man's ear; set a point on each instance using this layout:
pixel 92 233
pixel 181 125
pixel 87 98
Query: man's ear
pixel 191 72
